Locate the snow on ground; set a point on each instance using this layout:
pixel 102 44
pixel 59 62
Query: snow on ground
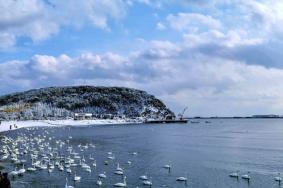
pixel 5 125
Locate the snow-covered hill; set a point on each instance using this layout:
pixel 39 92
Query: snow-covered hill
pixel 63 102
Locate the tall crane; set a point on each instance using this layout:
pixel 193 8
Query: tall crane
pixel 182 113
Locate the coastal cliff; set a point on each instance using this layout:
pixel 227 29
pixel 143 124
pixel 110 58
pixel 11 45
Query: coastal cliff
pixel 63 102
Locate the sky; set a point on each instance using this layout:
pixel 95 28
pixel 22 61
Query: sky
pixel 218 57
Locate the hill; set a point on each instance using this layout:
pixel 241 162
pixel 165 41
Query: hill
pixel 63 102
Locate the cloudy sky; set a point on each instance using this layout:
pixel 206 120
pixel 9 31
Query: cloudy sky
pixel 218 57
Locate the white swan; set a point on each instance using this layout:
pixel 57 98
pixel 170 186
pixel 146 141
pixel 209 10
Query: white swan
pixel 77 178
pixel 144 177
pixel 14 172
pixel 168 167
pixel 234 174
pixel 99 182
pixel 124 184
pixel 94 163
pixel 111 157
pixel 102 175
pixel 61 168
pixel 182 178
pixel 88 170
pixel 246 176
pixel 68 170
pixel 118 172
pixel 31 169
pixel 66 185
pixel 50 170
pixel 278 178
pixel 147 182
pixel 22 171
pixel 118 167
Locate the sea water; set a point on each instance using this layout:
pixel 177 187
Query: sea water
pixel 205 153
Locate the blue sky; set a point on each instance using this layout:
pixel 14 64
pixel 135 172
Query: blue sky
pixel 218 57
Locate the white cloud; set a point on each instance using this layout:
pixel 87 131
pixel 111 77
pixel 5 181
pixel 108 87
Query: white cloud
pixel 173 71
pixel 193 22
pixel 219 67
pixel 39 19
pixel 267 14
pixel 7 40
pixel 160 26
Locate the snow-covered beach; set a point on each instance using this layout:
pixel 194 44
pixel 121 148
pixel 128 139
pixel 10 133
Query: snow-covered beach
pixel 5 125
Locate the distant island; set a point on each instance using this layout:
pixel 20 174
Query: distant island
pixel 54 103
pixel 264 116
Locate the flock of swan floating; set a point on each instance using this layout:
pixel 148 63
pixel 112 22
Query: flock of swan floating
pixel 31 153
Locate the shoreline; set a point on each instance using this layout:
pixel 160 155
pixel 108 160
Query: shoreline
pixel 5 125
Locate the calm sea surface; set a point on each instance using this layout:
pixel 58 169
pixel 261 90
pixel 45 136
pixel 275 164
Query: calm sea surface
pixel 207 152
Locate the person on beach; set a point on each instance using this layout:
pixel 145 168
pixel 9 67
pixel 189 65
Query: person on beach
pixel 10 127
pixel 4 181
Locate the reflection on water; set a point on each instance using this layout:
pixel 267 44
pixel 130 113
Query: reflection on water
pixel 207 153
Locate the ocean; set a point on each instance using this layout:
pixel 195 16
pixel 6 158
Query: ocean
pixel 205 153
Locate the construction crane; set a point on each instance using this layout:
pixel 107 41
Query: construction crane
pixel 182 114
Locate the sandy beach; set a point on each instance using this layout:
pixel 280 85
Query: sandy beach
pixel 5 125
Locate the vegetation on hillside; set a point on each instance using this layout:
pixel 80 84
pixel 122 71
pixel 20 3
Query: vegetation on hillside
pixel 62 102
